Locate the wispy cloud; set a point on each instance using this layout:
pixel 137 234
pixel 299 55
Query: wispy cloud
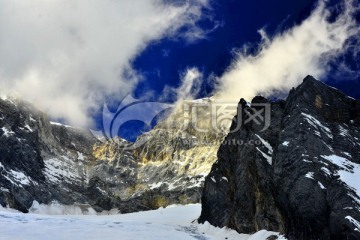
pixel 282 61
pixel 190 84
pixel 65 55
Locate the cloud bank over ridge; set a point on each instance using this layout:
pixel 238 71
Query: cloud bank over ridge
pixel 65 56
pixel 282 61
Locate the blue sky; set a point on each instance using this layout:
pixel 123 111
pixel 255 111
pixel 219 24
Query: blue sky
pixel 71 57
pixel 228 25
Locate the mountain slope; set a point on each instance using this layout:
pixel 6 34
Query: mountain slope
pixel 41 161
pixel 49 162
pixel 300 176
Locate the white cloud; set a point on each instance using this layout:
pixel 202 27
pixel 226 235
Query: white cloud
pixel 65 55
pixel 190 84
pixel 284 60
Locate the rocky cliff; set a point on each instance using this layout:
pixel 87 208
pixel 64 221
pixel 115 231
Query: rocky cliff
pixel 300 176
pixel 48 163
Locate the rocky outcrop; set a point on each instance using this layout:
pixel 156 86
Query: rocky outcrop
pixel 300 176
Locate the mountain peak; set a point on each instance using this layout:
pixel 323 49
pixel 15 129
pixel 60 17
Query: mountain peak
pixel 301 176
pixel 322 99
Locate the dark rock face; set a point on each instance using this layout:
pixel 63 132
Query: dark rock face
pixel 40 161
pixel 299 176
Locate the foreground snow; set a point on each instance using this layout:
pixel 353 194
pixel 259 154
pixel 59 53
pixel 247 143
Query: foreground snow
pixel 174 222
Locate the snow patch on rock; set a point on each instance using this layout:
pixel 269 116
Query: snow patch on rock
pixel 317 125
pixel 349 172
pixel 310 175
pixel 7 132
pixel 267 157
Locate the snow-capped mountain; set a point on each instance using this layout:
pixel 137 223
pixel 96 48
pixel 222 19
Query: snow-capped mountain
pixel 46 162
pixel 300 176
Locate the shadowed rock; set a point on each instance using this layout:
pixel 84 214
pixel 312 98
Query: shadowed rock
pixel 301 178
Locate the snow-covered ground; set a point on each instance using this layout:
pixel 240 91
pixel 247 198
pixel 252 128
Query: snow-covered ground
pixel 174 222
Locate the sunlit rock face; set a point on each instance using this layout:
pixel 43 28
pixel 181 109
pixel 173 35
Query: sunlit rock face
pixel 178 156
pixel 170 165
pixel 300 176
pixel 49 162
